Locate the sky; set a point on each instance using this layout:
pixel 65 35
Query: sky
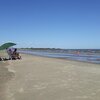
pixel 69 24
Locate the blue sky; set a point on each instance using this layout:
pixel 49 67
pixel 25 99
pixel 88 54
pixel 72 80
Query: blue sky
pixel 69 24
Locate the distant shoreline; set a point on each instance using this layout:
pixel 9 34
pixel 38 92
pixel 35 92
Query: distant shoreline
pixel 67 50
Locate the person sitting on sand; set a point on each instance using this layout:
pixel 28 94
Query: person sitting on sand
pixel 15 54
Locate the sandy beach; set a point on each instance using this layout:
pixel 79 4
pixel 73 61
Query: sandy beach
pixel 41 78
pixel 5 76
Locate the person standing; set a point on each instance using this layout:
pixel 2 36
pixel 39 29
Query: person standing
pixel 9 51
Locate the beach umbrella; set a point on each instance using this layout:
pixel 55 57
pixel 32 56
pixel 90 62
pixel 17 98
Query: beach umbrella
pixel 6 45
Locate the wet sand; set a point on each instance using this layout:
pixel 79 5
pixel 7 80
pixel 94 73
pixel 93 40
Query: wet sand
pixel 40 78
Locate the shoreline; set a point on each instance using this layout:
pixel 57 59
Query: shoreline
pixel 42 78
pixel 62 58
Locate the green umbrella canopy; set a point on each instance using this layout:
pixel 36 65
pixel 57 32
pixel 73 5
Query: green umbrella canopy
pixel 6 45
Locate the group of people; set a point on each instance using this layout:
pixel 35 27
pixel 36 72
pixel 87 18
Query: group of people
pixel 13 54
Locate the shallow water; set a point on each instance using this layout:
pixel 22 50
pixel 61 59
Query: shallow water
pixel 93 58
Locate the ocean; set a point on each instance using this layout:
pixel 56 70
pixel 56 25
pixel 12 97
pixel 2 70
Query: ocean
pixel 81 55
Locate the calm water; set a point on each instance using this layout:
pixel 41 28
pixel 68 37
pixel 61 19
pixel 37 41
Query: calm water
pixel 93 58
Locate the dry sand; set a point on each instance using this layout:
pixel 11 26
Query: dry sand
pixel 5 76
pixel 40 78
